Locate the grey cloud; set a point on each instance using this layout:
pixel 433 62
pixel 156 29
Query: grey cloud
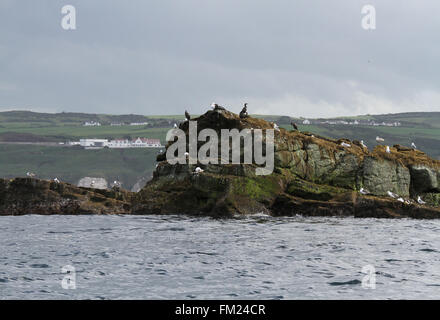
pixel 302 58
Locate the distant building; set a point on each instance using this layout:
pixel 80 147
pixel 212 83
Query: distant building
pixel 118 143
pixel 100 143
pixel 91 124
pixel 146 143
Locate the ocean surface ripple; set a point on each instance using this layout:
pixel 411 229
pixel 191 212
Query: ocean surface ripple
pixel 181 257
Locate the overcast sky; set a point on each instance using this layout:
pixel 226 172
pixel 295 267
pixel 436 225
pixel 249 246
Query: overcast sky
pixel 306 58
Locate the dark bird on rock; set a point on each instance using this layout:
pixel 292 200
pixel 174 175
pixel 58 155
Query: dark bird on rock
pixel 187 116
pixel 294 125
pixel 217 107
pixel 243 112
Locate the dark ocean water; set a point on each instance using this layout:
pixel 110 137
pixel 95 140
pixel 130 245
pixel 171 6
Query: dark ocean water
pixel 260 257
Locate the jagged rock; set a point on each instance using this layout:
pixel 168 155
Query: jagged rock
pixel 32 196
pixel 91 182
pixel 312 176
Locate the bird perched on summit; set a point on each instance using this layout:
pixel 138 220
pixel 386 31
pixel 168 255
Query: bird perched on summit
pixel 187 116
pixel 413 145
pixel 30 174
pixel 275 126
pixel 388 149
pixel 243 112
pixel 379 139
pixel 364 191
pixel 294 125
pixel 216 107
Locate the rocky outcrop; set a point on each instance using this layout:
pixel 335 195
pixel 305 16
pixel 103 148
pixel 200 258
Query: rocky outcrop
pixel 32 196
pixel 313 176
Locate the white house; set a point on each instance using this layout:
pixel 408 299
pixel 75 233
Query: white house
pixel 146 143
pixel 119 143
pixel 91 124
pixel 93 142
pixel 138 123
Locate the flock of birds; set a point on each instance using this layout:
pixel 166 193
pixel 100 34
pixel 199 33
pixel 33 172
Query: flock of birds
pixel 394 196
pixel 116 183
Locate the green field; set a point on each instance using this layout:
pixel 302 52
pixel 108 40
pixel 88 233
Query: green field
pixel 69 164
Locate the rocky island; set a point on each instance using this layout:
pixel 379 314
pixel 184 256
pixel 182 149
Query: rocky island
pixel 313 176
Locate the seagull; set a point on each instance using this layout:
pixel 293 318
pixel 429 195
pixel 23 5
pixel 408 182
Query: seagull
pixel 392 195
pixel 388 149
pixel 243 112
pixel 175 126
pixel 363 144
pixel 345 144
pixel 420 201
pixel 198 170
pixel 294 125
pixel 379 139
pixel 56 180
pixel 93 183
pixel 275 126
pixel 187 116
pixel 363 191
pixel 186 154
pixel 30 174
pixel 401 200
pixel 413 145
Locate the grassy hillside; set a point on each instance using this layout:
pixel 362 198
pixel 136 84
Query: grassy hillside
pixel 71 164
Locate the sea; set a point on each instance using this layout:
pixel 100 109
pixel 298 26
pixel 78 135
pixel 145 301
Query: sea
pixel 187 257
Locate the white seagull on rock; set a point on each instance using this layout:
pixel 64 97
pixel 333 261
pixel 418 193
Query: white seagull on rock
pixel 275 126
pixel 379 139
pixel 413 145
pixel 388 149
pixel 363 144
pixel 401 199
pixel 392 195
pixel 345 144
pixel 198 170
pixel 30 174
pixel 420 201
pixel 56 180
pixel 363 191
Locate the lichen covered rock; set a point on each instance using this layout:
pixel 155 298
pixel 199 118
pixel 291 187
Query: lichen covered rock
pixel 313 175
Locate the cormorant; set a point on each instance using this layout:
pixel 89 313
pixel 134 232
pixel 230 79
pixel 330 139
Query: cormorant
pixel 243 112
pixel 294 125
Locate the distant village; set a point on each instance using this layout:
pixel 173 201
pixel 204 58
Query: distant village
pixel 353 123
pixel 117 143
pixel 114 124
